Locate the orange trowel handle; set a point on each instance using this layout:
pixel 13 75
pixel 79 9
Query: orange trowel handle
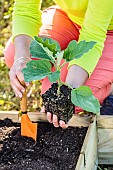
pixel 23 102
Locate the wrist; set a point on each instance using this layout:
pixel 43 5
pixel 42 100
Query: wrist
pixel 21 59
pixel 22 39
pixel 76 76
pixel 22 44
pixel 22 56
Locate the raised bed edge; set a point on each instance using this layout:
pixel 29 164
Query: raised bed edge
pixel 105 139
pixel 89 148
pixel 88 159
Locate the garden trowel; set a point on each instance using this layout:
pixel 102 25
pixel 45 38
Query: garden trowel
pixel 28 128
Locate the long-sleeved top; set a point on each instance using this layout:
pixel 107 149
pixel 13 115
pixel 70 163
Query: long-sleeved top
pixel 94 16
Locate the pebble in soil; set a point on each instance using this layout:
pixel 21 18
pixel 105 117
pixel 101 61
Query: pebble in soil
pixel 59 104
pixel 55 149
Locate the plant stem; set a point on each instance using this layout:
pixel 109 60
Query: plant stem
pixel 60 83
pixel 63 83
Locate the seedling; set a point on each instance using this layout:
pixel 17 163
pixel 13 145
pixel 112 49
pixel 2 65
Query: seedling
pixel 49 53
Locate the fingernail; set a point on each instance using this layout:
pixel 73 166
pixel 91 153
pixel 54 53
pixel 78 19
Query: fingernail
pixel 61 123
pixel 49 113
pixel 42 110
pixel 20 95
pixel 27 83
pixel 22 90
pixel 56 126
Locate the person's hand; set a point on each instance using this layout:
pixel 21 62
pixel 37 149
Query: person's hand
pixel 16 76
pixel 52 118
pixel 22 56
pixel 76 77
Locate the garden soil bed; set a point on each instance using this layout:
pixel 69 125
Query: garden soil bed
pixel 55 149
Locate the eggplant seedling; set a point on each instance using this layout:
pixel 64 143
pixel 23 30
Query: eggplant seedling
pixel 61 98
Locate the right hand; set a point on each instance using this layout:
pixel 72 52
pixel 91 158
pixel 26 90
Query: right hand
pixel 16 76
pixel 21 43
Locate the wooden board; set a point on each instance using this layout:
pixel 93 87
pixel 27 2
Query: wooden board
pixel 105 146
pixel 34 116
pixel 105 122
pixel 88 159
pixel 105 139
pixel 75 121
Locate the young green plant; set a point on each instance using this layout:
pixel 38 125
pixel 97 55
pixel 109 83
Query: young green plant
pixel 49 53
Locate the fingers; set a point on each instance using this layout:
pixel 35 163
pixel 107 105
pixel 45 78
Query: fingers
pixel 43 109
pixel 15 78
pixel 54 119
pixel 63 124
pixel 18 90
pixel 49 117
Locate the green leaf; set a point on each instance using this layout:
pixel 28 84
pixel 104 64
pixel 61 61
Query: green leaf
pixel 36 70
pixel 54 76
pixel 51 44
pixel 38 51
pixel 84 91
pixel 83 98
pixel 75 50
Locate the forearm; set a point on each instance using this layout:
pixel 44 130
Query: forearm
pixel 76 76
pixel 26 17
pixel 22 44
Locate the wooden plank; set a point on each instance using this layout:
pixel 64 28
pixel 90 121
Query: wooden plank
pixel 88 158
pixel 105 146
pixel 105 122
pixel 104 160
pixel 105 139
pixel 34 116
pixel 75 121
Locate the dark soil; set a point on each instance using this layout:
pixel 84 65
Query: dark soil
pixel 55 149
pixel 59 104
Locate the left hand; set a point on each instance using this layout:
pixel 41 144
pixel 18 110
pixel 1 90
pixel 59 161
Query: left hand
pixel 74 80
pixel 54 119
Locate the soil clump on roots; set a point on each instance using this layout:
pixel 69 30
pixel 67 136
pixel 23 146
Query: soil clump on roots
pixel 59 103
pixel 55 148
